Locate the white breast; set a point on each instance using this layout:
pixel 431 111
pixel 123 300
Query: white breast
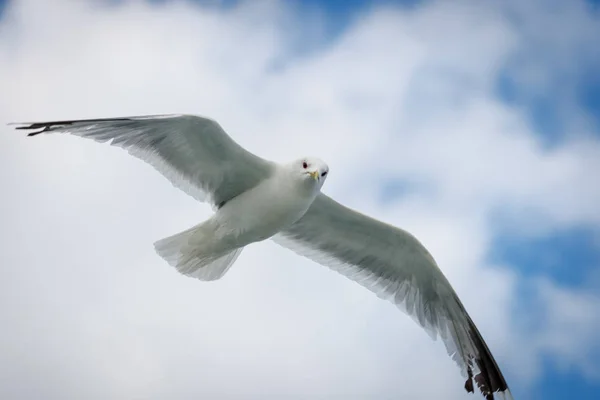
pixel 264 210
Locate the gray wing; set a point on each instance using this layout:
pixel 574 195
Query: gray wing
pixel 194 153
pixel 394 265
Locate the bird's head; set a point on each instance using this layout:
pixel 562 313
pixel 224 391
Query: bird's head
pixel 311 171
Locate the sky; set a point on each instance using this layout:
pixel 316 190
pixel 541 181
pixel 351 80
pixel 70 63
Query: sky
pixel 473 125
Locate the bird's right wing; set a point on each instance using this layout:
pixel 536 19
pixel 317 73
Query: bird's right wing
pixel 396 266
pixel 193 152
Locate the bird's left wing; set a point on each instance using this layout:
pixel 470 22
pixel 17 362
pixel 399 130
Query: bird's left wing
pixel 193 152
pixel 393 264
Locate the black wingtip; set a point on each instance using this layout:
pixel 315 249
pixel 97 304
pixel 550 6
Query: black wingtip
pixel 54 125
pixel 489 379
pixel 31 126
pixel 469 382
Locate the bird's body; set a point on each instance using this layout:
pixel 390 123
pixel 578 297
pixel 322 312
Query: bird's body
pixel 256 199
pixel 207 250
pixel 261 212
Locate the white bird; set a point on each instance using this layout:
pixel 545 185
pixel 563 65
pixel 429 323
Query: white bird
pixel 256 199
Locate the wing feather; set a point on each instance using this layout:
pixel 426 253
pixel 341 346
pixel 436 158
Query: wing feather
pixel 193 152
pixel 397 267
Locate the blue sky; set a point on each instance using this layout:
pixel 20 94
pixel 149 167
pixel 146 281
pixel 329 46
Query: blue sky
pixel 543 236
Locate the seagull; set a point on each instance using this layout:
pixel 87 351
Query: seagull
pixel 255 199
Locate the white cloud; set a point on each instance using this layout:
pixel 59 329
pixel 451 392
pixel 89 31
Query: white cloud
pixel 94 313
pixel 569 329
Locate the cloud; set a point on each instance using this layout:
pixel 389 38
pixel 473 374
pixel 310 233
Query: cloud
pixel 402 95
pixel 571 327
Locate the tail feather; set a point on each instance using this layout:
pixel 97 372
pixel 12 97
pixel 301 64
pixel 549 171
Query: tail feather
pixel 216 269
pixel 190 253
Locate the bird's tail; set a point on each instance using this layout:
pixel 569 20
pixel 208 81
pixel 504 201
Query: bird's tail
pixel 193 254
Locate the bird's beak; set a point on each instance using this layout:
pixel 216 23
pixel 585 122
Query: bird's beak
pixel 315 175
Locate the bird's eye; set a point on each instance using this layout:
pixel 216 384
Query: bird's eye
pixel 324 173
pixel 304 165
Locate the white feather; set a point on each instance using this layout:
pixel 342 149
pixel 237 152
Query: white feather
pixel 191 253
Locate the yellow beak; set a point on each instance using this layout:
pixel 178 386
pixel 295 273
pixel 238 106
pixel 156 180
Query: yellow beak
pixel 314 174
